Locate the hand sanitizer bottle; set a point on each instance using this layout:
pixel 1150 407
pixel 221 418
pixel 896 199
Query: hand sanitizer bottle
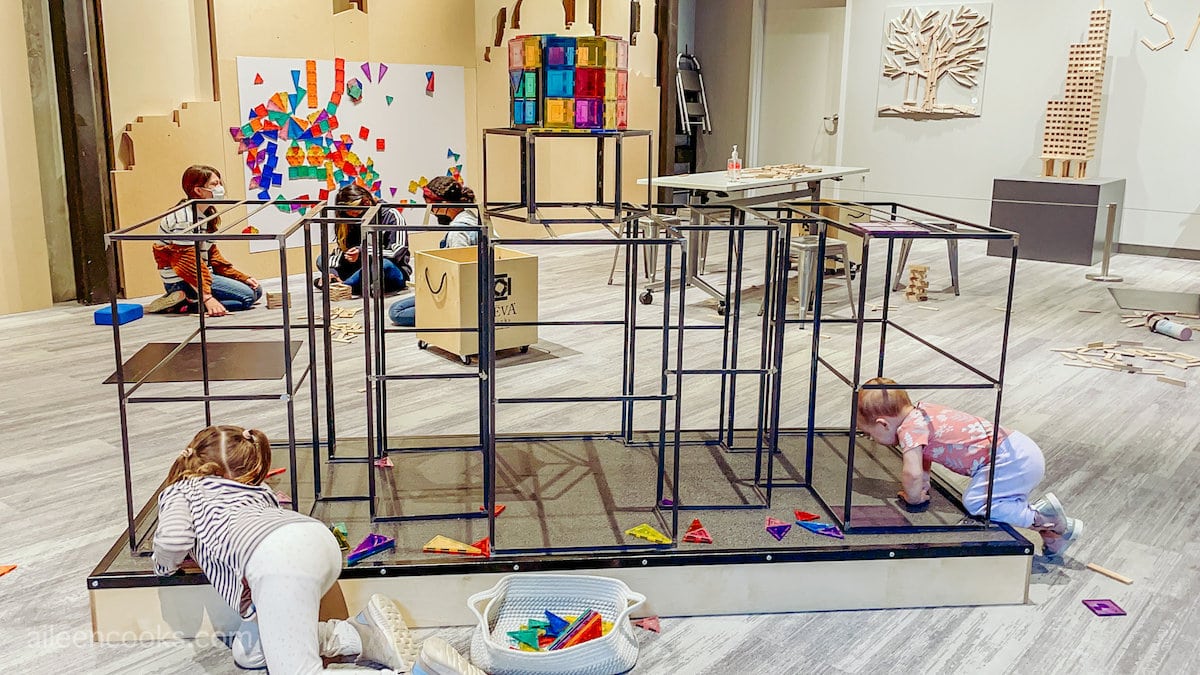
pixel 733 167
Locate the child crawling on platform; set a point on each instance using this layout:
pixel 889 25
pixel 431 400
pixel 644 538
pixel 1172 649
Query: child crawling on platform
pixel 961 442
pixel 272 565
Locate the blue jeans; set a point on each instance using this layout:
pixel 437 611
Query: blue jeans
pixel 233 294
pixel 393 279
pixel 403 312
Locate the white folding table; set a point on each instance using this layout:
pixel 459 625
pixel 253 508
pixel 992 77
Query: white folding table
pixel 716 188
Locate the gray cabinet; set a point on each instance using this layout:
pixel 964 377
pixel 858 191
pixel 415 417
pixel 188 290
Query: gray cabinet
pixel 1059 219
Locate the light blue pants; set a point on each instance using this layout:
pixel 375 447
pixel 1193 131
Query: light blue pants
pixel 1020 466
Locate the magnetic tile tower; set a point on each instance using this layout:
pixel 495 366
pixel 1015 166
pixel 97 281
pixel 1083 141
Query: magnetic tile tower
pixel 1073 122
pixel 561 82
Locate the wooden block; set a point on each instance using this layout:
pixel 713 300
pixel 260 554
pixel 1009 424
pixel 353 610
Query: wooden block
pixel 1188 316
pixel 1064 350
pixel 929 308
pixel 1130 343
pixel 1090 311
pixel 339 292
pixel 275 300
pixel 1096 345
pixel 1077 364
pixel 1172 380
pixel 1109 573
pixel 1148 371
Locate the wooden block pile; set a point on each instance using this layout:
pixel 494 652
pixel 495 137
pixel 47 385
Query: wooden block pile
pixel 344 312
pixel 780 171
pixel 339 292
pixel 345 331
pixel 275 300
pixel 918 285
pixel 1117 356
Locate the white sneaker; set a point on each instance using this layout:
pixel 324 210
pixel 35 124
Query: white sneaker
pixel 1055 546
pixel 1052 510
pixel 437 657
pixel 386 639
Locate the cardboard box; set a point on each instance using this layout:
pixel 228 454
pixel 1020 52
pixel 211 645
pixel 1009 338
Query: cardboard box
pixel 447 296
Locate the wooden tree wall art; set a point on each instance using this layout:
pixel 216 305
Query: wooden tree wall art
pixel 927 47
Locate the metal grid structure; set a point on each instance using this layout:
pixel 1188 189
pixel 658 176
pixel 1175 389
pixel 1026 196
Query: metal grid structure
pixel 892 222
pixel 529 210
pixel 138 526
pixel 667 397
pixel 703 222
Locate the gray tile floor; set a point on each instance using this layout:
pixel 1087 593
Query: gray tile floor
pixel 1121 451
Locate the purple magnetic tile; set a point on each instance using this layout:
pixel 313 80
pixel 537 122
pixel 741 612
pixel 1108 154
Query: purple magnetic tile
pixel 1104 608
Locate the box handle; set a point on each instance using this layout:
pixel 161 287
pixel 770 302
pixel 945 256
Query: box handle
pixel 441 284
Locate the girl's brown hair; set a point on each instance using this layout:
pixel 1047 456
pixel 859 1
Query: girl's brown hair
pixel 225 451
pixel 197 176
pixel 874 404
pixel 446 189
pixel 350 195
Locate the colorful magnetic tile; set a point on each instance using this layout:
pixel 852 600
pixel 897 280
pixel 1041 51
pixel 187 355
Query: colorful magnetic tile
pixel 429 81
pixel 354 90
pixel 382 71
pixel 258 78
pixel 645 531
pixel 366 68
pixel 364 133
pixel 560 82
pixel 777 528
pixel 556 623
pixel 1104 608
pixel 389 98
pixel 370 545
pixel 649 623
pixel 805 516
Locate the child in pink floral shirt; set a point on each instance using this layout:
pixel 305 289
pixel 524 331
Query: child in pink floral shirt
pixel 928 433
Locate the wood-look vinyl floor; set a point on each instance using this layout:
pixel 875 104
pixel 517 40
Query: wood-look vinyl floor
pixel 1121 453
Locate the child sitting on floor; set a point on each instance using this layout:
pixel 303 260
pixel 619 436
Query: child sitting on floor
pixel 927 433
pixel 270 564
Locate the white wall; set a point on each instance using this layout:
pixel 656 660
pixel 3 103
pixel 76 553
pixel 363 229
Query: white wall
pixel 801 81
pixel 1150 133
pixel 723 47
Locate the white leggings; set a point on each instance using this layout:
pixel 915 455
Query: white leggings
pixel 288 574
pixel 1020 466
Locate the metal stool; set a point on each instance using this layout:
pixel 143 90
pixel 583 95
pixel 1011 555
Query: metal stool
pixel 647 271
pixel 951 253
pixel 811 270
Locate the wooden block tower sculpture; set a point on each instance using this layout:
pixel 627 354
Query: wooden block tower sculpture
pixel 1073 122
pixel 918 286
pixel 563 82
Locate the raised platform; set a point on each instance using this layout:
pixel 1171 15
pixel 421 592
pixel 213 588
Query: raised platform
pixel 583 492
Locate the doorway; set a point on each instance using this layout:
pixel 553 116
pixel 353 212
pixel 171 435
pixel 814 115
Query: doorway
pixel 797 48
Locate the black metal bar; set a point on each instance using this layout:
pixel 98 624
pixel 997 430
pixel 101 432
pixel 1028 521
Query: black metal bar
pixel 313 408
pixel 202 312
pixel 863 275
pixel 289 385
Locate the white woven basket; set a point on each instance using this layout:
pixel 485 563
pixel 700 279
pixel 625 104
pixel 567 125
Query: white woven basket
pixel 517 598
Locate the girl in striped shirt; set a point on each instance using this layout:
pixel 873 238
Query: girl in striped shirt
pixel 222 287
pixel 270 564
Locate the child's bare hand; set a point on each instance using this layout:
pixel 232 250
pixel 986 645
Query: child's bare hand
pixel 924 498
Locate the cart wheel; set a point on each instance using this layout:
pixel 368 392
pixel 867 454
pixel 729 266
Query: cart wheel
pixel 421 344
pixel 465 359
pixel 646 298
pixel 525 349
pixel 721 308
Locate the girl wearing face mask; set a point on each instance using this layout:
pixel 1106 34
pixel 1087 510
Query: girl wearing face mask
pixel 442 190
pixel 446 190
pixel 222 288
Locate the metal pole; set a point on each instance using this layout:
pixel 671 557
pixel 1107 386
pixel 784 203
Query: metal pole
pixel 1108 245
